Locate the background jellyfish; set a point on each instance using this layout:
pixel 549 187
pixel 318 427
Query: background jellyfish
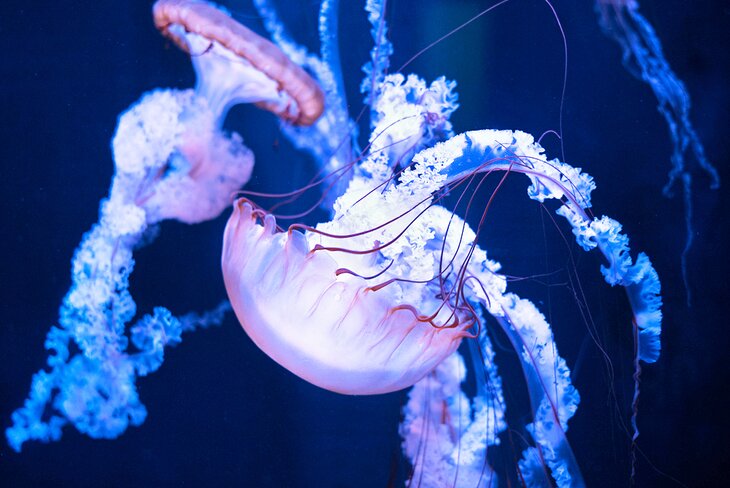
pixel 351 443
pixel 172 161
pixel 643 58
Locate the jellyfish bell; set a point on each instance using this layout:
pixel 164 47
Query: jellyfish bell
pixel 330 327
pixel 368 303
pixel 235 65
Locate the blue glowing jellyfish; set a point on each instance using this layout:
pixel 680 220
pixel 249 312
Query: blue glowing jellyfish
pixel 644 59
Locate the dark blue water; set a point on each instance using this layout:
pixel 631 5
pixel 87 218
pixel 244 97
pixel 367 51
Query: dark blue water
pixel 221 413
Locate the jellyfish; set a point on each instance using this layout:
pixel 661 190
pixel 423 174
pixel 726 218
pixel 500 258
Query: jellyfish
pixel 172 161
pixel 644 59
pixel 380 297
pixel 377 298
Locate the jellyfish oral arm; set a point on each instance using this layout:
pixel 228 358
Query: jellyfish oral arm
pixel 485 150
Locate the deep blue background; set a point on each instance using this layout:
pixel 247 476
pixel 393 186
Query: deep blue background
pixel 220 412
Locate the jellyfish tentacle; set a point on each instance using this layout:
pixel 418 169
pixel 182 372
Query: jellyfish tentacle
pixel 452 450
pixel 643 58
pixel 332 139
pixel 517 151
pixel 377 67
pixel 482 151
pixel 553 398
pixel 329 44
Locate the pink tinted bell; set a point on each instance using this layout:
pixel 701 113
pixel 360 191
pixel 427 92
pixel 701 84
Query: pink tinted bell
pixel 246 47
pixel 333 331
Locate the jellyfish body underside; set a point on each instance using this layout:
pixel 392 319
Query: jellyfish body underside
pixel 333 331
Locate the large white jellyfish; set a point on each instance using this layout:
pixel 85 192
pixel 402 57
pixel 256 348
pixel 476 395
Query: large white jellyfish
pixel 378 298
